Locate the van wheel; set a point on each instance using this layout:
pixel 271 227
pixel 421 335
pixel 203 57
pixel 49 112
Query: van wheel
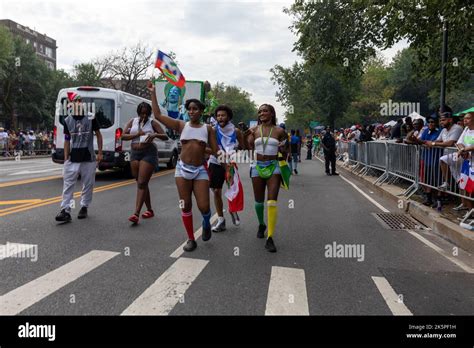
pixel 173 160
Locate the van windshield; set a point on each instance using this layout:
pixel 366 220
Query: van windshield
pixel 104 110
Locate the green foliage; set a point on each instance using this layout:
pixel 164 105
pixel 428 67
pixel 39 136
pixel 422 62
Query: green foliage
pixel 342 80
pixel 86 74
pixel 238 100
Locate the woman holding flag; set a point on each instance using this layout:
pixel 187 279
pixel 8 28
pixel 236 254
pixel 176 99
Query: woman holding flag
pixel 465 146
pixel 269 143
pixel 229 138
pixel 191 174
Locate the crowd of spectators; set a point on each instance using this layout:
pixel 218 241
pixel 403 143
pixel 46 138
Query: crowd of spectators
pixel 23 142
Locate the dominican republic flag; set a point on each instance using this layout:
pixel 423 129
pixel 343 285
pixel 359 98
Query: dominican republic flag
pixel 169 68
pixel 466 179
pixel 235 191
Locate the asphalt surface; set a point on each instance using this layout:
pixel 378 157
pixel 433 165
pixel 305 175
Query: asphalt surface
pixel 317 211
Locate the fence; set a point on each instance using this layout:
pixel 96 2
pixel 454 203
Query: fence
pixel 434 167
pixel 37 147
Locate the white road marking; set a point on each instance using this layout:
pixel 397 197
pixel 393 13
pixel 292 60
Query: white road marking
pixel 27 295
pixel 414 234
pixel 287 292
pixel 26 172
pixel 178 252
pixel 391 298
pixel 442 252
pixel 161 297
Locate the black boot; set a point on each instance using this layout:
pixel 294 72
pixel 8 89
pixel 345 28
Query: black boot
pixel 261 231
pixel 190 245
pixel 63 216
pixel 270 246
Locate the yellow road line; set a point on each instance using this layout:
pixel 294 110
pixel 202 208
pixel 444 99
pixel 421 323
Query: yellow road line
pixel 29 181
pixel 76 195
pixel 20 201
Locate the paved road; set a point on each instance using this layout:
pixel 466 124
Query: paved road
pixel 103 265
pixel 28 169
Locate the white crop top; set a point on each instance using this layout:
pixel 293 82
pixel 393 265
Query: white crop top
pixel 271 148
pixel 147 128
pixel 190 133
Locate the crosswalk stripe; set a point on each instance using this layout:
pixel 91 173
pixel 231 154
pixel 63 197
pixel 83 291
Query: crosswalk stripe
pixel 287 292
pixel 161 297
pixel 390 296
pixel 179 251
pixel 16 249
pixel 25 296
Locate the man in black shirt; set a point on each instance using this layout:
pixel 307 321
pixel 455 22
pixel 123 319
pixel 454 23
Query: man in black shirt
pixel 79 158
pixel 329 146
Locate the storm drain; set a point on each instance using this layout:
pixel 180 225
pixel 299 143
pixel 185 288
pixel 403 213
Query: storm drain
pixel 394 221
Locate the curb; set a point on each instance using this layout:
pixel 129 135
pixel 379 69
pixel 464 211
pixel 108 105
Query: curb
pixel 439 225
pixel 23 157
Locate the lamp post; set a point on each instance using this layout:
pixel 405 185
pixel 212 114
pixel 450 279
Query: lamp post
pixel 444 58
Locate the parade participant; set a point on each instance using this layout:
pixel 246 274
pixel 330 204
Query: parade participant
pixel 79 158
pixel 142 130
pixel 295 148
pixel 309 147
pixel 267 139
pixel 191 174
pixel 229 138
pixel 329 146
pixel 316 142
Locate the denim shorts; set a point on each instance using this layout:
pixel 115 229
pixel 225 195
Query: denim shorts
pixel 254 172
pixel 201 172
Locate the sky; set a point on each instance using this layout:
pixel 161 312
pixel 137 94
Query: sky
pixel 232 41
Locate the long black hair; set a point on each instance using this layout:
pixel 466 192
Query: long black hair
pixel 272 111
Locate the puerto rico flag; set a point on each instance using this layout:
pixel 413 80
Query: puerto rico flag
pixel 169 68
pixel 466 179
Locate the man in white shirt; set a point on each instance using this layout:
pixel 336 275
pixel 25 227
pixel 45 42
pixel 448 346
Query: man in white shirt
pixel 448 138
pixel 3 141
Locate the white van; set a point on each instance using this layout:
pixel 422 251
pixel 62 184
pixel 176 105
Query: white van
pixel 113 109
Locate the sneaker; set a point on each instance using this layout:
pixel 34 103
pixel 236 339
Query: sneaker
pixel 460 207
pixel 270 246
pixel 443 187
pixel 206 233
pixel 335 173
pixel 190 245
pixel 82 213
pixel 63 216
pixel 219 226
pixel 235 219
pixel 296 172
pixel 261 231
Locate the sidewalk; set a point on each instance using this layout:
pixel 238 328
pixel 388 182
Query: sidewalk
pixel 431 218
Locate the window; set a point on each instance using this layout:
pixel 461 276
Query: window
pixel 27 41
pixel 48 52
pixel 104 110
pixel 35 44
pixel 50 65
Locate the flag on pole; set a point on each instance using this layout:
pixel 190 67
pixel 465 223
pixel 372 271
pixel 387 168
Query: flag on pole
pixel 235 191
pixel 169 68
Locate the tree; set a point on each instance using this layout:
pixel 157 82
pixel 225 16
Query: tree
pixel 6 51
pixel 313 92
pixel 23 88
pixel 86 74
pixel 123 69
pixel 238 100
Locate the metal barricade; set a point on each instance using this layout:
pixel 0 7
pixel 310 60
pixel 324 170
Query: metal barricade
pixel 443 170
pixel 376 157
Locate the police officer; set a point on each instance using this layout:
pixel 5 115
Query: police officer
pixel 329 146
